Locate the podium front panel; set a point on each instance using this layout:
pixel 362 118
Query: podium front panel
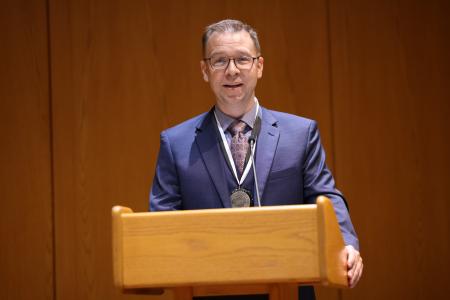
pixel 220 246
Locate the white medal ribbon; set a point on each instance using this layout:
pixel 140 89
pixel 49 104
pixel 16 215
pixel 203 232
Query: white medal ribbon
pixel 228 151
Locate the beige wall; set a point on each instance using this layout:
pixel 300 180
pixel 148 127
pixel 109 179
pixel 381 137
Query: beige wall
pixel 86 87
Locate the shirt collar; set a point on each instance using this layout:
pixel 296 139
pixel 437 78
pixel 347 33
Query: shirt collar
pixel 225 120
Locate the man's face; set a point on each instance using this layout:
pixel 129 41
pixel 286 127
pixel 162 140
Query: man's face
pixel 232 86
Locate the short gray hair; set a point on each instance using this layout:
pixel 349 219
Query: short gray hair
pixel 229 26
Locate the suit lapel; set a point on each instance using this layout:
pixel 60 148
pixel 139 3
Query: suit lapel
pixel 209 147
pixel 265 148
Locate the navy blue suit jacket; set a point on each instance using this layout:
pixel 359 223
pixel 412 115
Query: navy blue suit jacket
pixel 290 167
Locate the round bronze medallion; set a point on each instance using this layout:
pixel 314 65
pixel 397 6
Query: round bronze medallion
pixel 240 198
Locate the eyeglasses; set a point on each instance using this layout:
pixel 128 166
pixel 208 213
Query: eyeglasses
pixel 222 62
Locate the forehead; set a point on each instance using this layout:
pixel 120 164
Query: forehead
pixel 230 42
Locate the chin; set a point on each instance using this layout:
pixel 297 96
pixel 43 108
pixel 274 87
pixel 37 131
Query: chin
pixel 234 100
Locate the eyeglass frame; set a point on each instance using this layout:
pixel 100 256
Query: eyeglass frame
pixel 234 61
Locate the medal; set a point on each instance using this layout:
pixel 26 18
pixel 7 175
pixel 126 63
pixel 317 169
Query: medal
pixel 240 197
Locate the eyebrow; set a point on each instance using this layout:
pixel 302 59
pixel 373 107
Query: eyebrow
pixel 239 53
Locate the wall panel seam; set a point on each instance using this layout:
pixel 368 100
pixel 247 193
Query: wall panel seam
pixel 51 148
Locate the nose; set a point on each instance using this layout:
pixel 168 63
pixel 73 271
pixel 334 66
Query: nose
pixel 232 69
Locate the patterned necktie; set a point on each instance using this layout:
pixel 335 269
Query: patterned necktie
pixel 239 145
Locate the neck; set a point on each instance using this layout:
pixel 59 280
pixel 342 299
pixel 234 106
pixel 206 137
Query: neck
pixel 238 110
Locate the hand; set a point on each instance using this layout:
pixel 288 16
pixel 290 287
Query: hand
pixel 354 265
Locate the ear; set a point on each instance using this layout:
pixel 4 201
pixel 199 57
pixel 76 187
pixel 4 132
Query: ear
pixel 204 69
pixel 260 66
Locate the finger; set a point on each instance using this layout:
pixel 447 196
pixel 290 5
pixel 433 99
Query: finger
pixel 353 272
pixel 353 256
pixel 350 257
pixel 350 275
pixel 357 272
pixel 359 275
pixel 357 269
pixel 355 280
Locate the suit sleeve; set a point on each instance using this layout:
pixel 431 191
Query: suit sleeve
pixel 165 191
pixel 318 180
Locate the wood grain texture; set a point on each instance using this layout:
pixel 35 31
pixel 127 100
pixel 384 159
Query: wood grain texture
pixel 26 259
pixel 332 260
pixel 125 70
pixel 107 114
pixel 117 244
pixel 220 246
pixel 391 93
pixel 284 291
pixel 228 251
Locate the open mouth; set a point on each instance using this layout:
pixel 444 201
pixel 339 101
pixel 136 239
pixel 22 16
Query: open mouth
pixel 233 86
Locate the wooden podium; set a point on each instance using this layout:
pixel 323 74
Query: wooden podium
pixel 235 251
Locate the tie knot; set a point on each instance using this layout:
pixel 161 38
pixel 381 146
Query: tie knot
pixel 237 127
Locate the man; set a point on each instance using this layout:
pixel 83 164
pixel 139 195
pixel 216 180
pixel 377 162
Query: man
pixel 204 162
